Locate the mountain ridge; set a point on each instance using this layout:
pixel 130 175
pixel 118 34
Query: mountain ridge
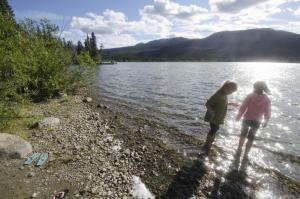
pixel 263 44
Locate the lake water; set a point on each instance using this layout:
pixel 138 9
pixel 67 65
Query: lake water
pixel 174 94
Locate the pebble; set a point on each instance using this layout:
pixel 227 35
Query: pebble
pixel 31 174
pixel 34 195
pixel 87 99
pixel 95 190
pixel 127 152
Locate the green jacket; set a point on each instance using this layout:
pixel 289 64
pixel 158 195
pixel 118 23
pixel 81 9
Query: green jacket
pixel 218 102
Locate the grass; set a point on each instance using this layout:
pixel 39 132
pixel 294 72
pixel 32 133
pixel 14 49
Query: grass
pixel 23 124
pixel 26 122
pixel 67 159
pixel 52 106
pixel 66 99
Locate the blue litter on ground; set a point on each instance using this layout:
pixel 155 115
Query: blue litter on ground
pixel 42 159
pixel 39 158
pixel 31 158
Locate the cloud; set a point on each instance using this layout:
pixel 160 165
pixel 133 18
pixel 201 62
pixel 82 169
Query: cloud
pixel 156 19
pixel 255 13
pixel 232 6
pixel 297 11
pixel 293 26
pixel 107 40
pixel 73 35
pixel 110 22
pixel 111 28
pixel 166 18
pixel 161 20
pixel 113 41
pixel 167 8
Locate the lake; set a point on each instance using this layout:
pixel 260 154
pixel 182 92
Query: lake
pixel 174 94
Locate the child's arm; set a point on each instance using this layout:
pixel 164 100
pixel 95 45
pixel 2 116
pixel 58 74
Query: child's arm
pixel 267 114
pixel 235 104
pixel 243 108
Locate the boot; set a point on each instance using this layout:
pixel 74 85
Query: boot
pixel 209 140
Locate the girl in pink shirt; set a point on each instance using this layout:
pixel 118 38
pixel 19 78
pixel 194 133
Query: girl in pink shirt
pixel 255 107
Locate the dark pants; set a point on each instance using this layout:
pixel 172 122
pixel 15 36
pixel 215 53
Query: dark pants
pixel 211 135
pixel 213 128
pixel 249 129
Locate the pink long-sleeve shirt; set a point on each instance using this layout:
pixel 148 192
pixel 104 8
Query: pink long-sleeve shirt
pixel 254 107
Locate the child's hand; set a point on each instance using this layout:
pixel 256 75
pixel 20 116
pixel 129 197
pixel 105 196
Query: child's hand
pixel 235 104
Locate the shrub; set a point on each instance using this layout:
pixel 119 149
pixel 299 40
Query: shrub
pixel 35 65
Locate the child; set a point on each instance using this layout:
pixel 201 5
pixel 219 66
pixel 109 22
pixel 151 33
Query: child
pixel 216 110
pixel 254 107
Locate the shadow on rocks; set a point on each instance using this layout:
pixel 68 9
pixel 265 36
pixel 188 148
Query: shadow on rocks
pixel 235 185
pixel 186 183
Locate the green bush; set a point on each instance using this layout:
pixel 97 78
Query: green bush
pixel 35 65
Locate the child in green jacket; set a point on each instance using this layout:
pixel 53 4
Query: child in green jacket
pixel 216 110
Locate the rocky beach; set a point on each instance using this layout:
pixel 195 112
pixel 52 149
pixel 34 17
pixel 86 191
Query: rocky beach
pixel 92 155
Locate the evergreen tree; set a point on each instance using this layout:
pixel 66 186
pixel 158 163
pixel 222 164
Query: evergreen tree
pixel 87 44
pixel 100 52
pixel 5 9
pixel 80 47
pixel 69 45
pixel 101 48
pixel 93 47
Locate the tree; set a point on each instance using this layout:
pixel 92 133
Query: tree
pixel 69 45
pixel 93 47
pixel 5 9
pixel 80 47
pixel 87 43
pixel 64 43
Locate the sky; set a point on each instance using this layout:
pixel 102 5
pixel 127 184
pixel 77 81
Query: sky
pixel 118 23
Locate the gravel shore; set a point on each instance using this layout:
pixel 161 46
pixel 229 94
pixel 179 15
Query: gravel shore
pixel 91 154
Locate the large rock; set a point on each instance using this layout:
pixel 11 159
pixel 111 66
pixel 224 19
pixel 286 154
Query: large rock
pixel 12 146
pixel 87 99
pixel 49 122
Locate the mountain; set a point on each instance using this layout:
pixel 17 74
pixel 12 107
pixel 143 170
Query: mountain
pixel 245 45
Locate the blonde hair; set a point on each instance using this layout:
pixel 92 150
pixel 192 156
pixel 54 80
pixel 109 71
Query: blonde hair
pixel 228 84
